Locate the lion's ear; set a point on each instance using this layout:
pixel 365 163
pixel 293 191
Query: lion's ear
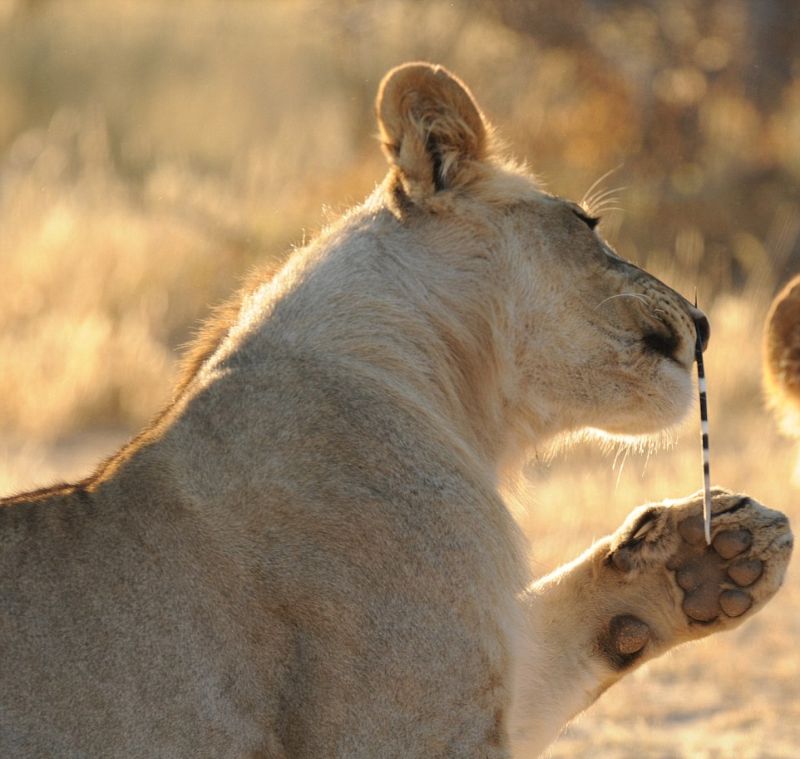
pixel 432 131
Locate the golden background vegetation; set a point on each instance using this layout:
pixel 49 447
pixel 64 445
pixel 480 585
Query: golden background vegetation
pixel 151 153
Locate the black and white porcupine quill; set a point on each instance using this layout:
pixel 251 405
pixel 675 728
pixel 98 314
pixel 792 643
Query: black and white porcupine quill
pixel 701 386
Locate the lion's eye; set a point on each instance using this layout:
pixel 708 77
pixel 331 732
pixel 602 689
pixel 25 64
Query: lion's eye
pixel 590 221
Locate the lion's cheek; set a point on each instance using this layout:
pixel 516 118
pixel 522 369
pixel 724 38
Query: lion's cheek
pixel 666 402
pixel 641 402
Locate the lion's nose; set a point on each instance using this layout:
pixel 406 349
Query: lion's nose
pixel 701 325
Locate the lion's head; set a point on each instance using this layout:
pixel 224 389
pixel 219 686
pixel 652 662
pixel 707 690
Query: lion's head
pixel 572 335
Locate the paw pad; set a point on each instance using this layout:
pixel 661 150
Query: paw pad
pixel 745 572
pixel 624 640
pixel 628 634
pixel 732 543
pixel 692 531
pixel 705 573
pixel 702 604
pixel 735 602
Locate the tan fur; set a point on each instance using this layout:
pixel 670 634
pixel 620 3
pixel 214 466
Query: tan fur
pixel 782 357
pixel 306 554
pixel 214 329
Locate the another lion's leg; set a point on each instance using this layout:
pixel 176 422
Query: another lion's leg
pixel 650 586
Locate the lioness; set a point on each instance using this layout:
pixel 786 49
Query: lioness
pixel 307 556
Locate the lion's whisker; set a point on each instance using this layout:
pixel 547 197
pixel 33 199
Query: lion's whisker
pixel 623 450
pixel 621 295
pixel 597 182
pixel 606 193
pixel 597 201
pixel 598 209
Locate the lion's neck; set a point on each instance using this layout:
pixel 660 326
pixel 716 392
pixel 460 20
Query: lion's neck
pixel 439 349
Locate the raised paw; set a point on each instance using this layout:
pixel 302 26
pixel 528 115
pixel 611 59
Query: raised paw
pixel 666 586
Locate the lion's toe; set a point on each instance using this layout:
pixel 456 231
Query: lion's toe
pixel 745 572
pixel 692 531
pixel 702 604
pixel 735 602
pixel 731 543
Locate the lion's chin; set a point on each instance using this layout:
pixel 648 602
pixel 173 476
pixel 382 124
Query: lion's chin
pixel 651 417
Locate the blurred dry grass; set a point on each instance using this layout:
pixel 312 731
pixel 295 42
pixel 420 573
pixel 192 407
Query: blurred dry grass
pixel 152 152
